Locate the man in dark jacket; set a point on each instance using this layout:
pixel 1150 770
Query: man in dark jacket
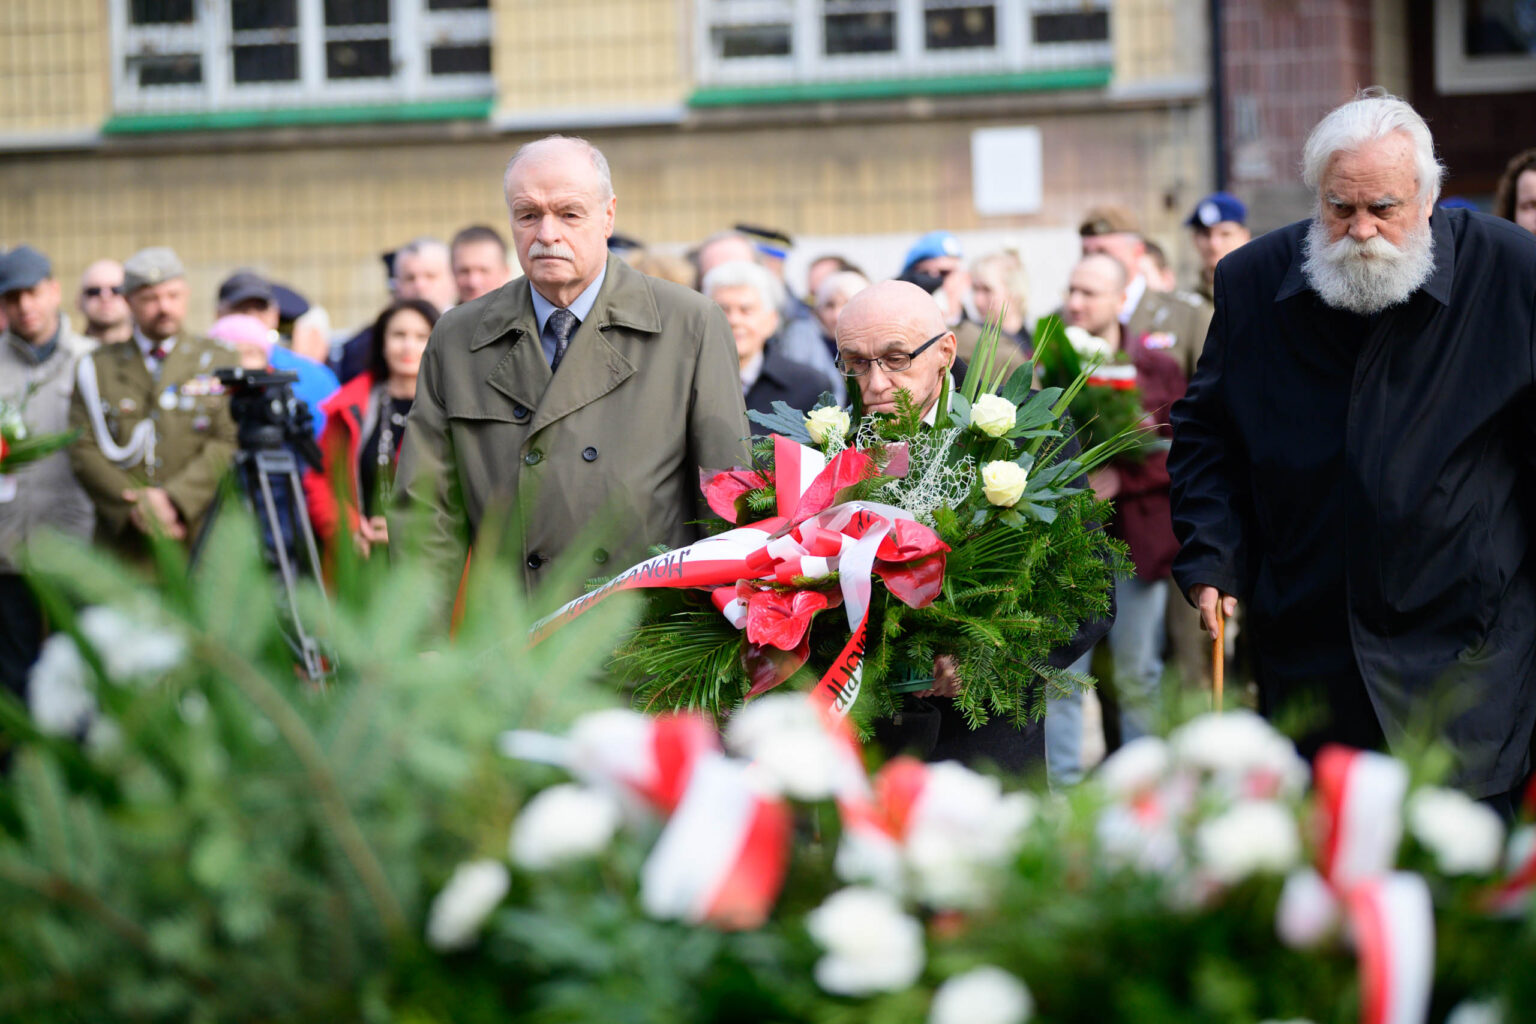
pixel 1355 457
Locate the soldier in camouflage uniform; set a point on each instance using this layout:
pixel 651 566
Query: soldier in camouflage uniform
pixel 155 433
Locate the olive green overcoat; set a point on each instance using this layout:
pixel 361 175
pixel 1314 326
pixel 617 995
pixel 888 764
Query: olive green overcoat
pixel 605 453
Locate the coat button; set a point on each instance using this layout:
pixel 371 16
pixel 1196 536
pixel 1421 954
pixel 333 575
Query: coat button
pixel 589 453
pixel 519 412
pixel 535 560
pixel 533 458
pixel 600 556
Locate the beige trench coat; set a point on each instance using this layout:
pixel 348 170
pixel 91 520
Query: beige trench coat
pixel 598 462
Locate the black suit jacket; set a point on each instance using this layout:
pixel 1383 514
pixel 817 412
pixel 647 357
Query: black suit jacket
pixel 783 381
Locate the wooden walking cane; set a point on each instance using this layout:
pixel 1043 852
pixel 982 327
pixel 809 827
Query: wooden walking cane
pixel 1219 658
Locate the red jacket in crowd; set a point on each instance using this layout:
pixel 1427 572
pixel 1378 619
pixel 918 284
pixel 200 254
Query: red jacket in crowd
pixel 348 418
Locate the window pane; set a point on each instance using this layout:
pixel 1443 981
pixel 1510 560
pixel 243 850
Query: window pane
pixel 246 15
pixel 859 26
pixel 161 12
pixel 950 28
pixel 279 63
pixel 751 40
pixel 1072 27
pixel 1500 27
pixel 463 59
pixel 356 12
pixel 169 69
pixel 359 58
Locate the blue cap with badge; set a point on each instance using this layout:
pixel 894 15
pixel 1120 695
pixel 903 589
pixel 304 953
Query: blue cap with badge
pixel 931 246
pixel 1215 208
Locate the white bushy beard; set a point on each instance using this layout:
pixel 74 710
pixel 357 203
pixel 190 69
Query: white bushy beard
pixel 1366 277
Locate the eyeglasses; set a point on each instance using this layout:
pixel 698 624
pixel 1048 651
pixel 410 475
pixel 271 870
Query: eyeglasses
pixel 96 291
pixel 891 362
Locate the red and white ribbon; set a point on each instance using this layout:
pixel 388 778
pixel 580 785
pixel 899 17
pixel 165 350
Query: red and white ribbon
pixel 1390 914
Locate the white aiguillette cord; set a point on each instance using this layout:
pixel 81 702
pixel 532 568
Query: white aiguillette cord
pixel 141 443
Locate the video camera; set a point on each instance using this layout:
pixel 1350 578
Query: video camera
pixel 267 415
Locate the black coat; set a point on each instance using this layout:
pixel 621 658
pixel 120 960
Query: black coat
pixel 1365 485
pixel 783 381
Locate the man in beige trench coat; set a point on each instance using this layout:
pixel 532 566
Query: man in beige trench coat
pixel 582 394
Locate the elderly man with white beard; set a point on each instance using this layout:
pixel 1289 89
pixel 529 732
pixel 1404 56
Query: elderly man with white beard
pixel 1355 459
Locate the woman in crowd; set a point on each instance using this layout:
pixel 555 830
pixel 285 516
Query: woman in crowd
pixel 1516 196
pixel 998 280
pixel 365 422
pixel 750 296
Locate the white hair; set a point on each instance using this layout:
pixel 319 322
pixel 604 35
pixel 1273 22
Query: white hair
pixel 844 284
pixel 740 273
pixel 429 247
pixel 317 318
pixel 1373 114
pixel 599 162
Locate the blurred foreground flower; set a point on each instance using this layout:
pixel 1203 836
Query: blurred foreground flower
pixel 465 902
pixel 561 824
pixel 871 945
pixel 986 995
pixel 1465 836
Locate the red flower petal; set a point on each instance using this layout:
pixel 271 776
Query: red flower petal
pixel 722 490
pixel 848 467
pixel 767 667
pixel 914 584
pixel 908 541
pixel 781 618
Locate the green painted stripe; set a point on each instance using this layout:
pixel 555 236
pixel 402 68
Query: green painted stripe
pixel 225 120
pixel 885 88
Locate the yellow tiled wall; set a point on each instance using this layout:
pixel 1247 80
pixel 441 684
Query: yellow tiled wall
pixel 54 74
pixel 318 217
pixel 598 54
pixel 1159 40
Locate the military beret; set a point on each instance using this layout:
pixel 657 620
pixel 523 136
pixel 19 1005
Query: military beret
pixel 1110 219
pixel 1215 208
pixel 148 267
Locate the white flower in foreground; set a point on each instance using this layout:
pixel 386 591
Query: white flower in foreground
pixel 1003 482
pixel 784 736
pixel 962 829
pixel 1465 836
pixel 993 415
pixel 1253 837
pixel 58 696
pixel 1476 1012
pixel 986 995
pixel 563 823
pixel 871 945
pixel 465 902
pixel 129 647
pixel 1254 757
pixel 1308 910
pixel 1141 838
pixel 1136 767
pixel 827 421
pixel 1089 347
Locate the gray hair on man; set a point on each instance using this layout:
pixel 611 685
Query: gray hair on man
pixel 424 246
pixel 599 162
pixel 740 273
pixel 1373 114
pixel 844 284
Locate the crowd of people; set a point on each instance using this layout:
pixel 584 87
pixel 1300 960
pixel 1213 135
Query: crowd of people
pixel 594 388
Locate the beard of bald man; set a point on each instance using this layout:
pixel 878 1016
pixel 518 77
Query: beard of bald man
pixel 889 318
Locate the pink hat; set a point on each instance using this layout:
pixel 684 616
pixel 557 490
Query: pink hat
pixel 241 329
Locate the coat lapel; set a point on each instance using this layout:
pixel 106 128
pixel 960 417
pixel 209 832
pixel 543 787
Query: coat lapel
pixel 521 373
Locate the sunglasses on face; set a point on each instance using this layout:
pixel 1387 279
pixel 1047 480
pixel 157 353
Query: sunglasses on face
pixel 97 291
pixel 891 362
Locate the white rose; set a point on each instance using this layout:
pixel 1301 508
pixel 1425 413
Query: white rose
pixel 1130 840
pixel 783 735
pixel 828 420
pixel 986 995
pixel 993 415
pixel 465 902
pixel 1471 1012
pixel 1137 766
pixel 1255 836
pixel 1308 910
pixel 962 829
pixel 1003 482
pixel 1240 745
pixel 561 824
pixel 130 648
pixel 58 696
pixel 1465 836
pixel 1089 347
pixel 871 945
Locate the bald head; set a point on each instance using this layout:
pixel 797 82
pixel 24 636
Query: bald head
pixel 1095 294
pixel 893 320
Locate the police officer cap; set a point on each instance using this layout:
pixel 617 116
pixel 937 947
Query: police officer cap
pixel 1217 207
pixel 148 267
pixel 23 267
pixel 931 246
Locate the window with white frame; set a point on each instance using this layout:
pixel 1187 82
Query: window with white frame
pixel 1485 46
pixel 743 42
pixel 203 55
